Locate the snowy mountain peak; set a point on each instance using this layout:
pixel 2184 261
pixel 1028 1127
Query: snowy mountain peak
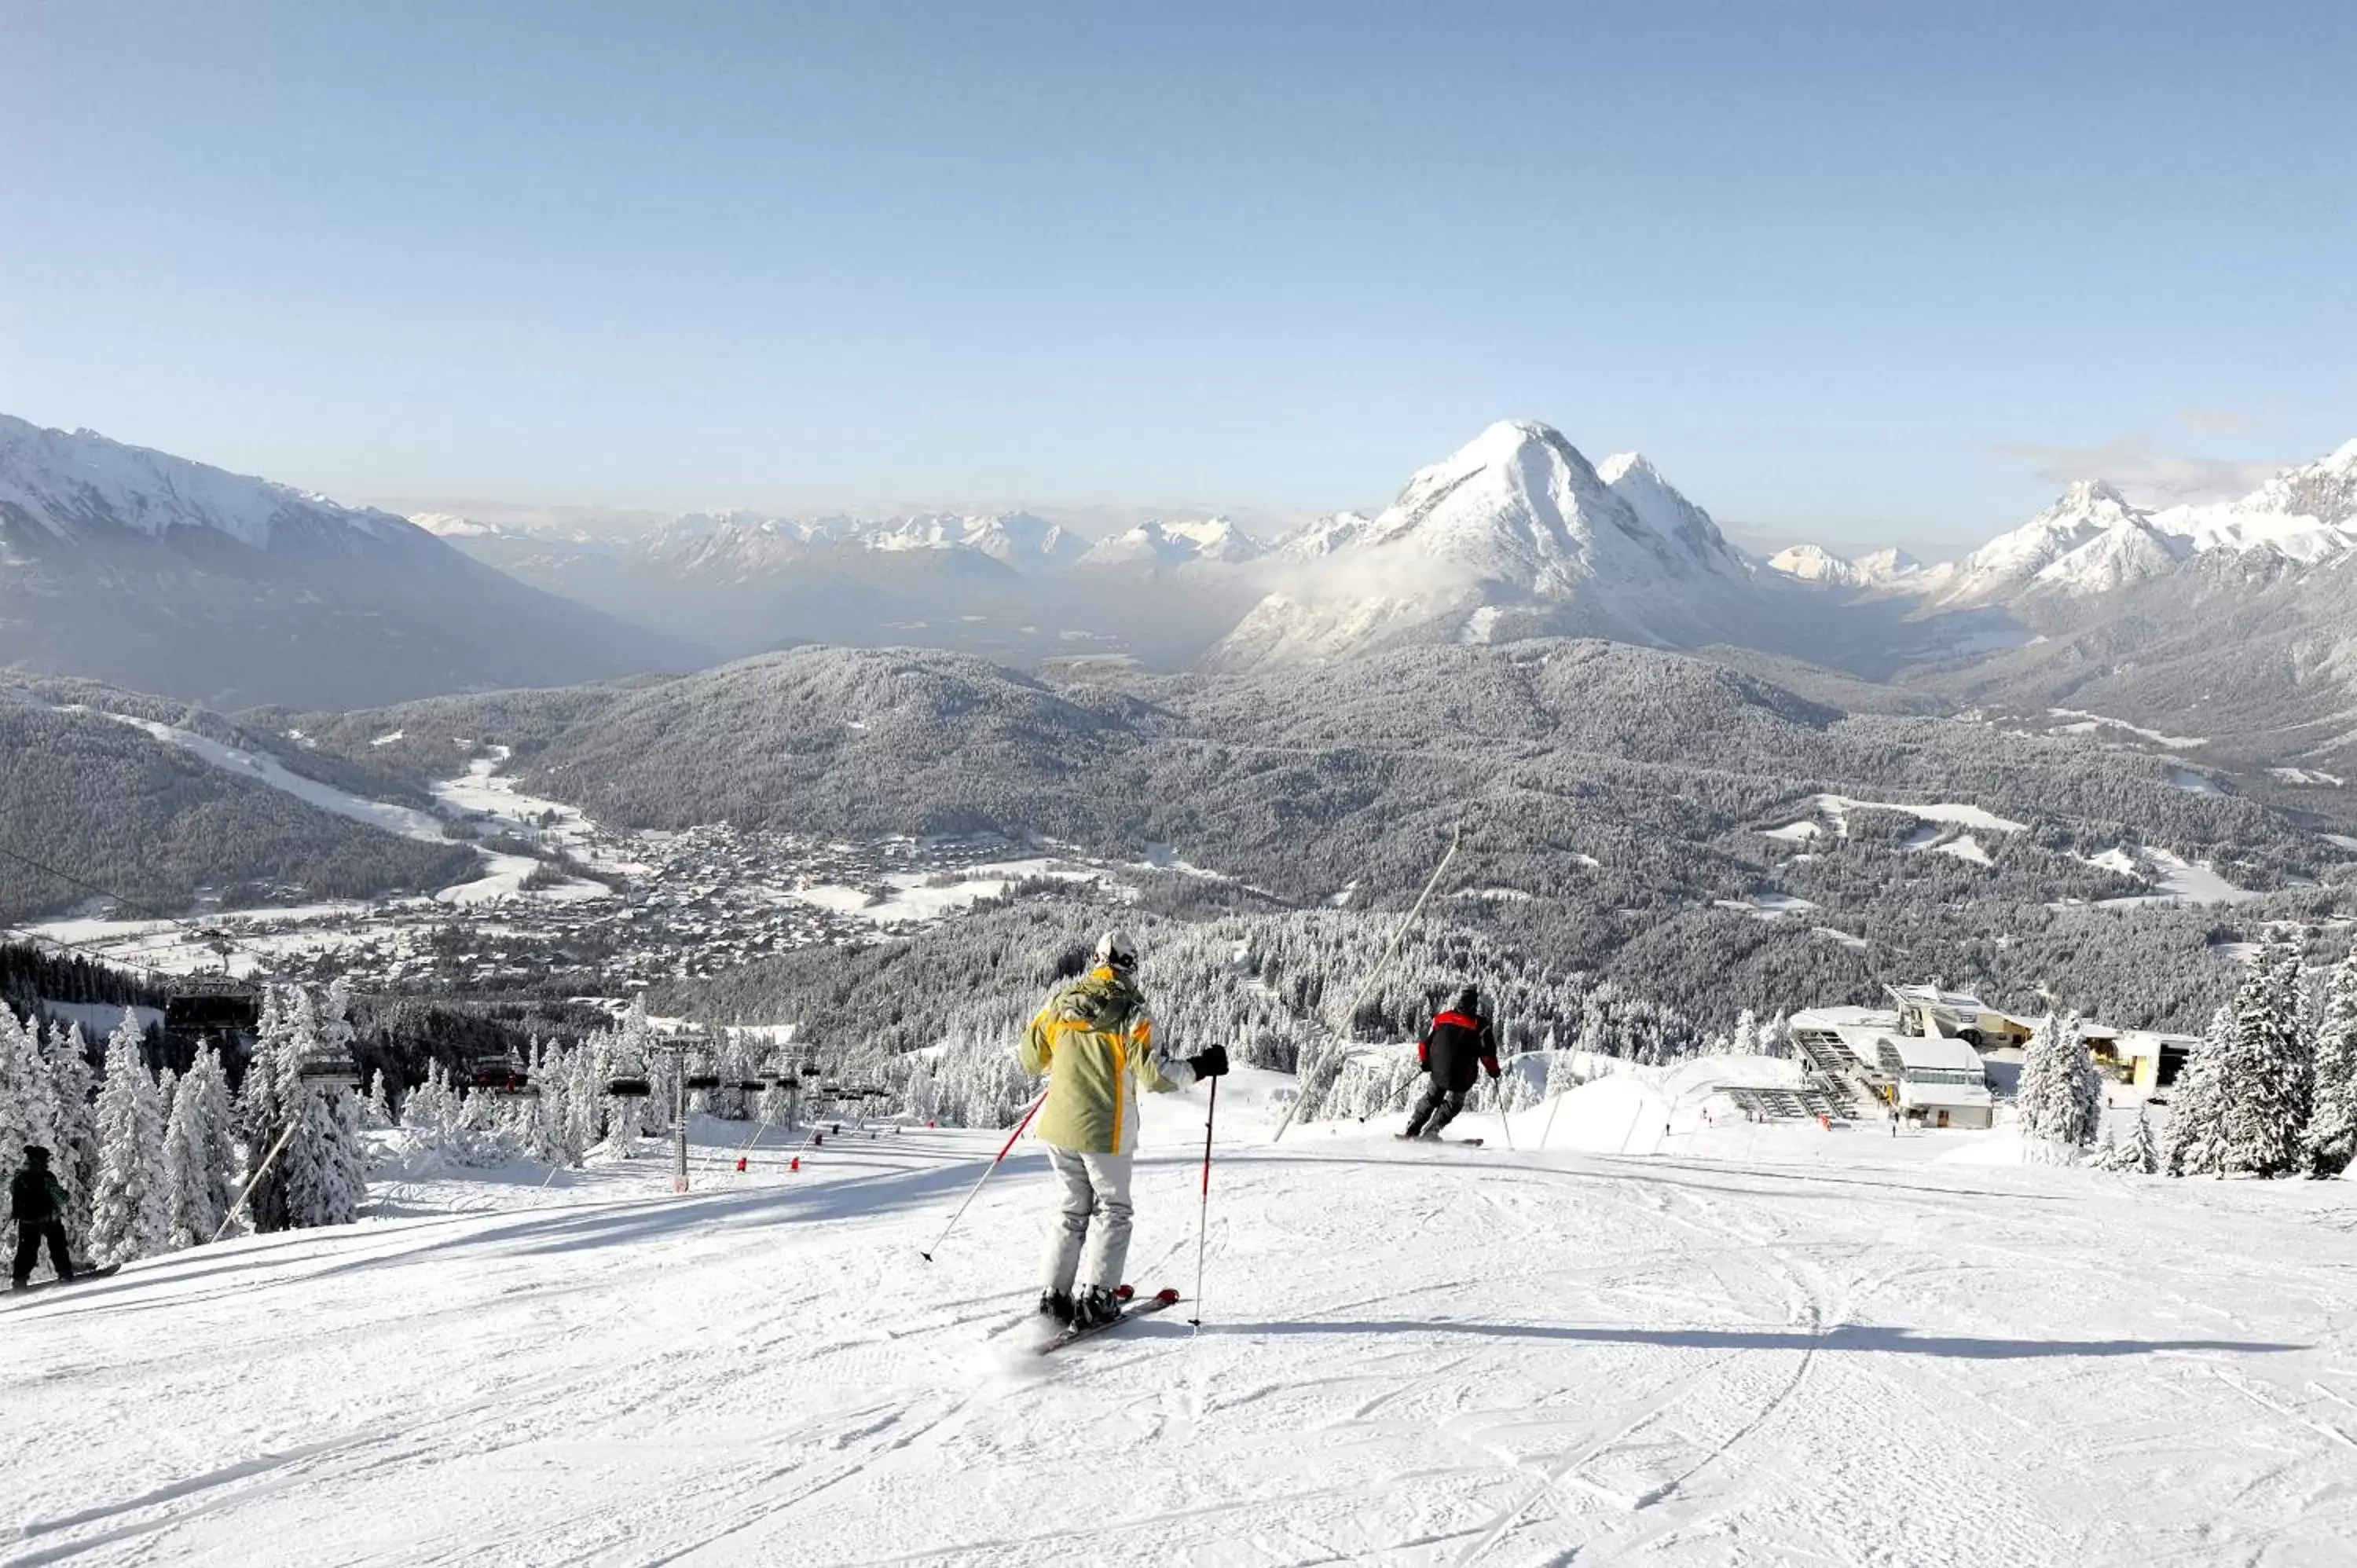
pixel 1884 568
pixel 450 525
pixel 1514 534
pixel 2091 496
pixel 1519 505
pixel 81 484
pixel 2037 551
pixel 1815 564
pixel 1176 542
pixel 1621 465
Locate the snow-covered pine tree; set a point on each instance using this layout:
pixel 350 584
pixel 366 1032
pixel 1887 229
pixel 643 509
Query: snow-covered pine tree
pixel 2138 1155
pixel 23 1093
pixel 2332 1139
pixel 1746 1041
pixel 2267 1082
pixel 74 1130
pixel 265 1104
pixel 188 1214
pixel 2194 1143
pixel 625 1114
pixel 326 1175
pixel 200 1153
pixel 130 1213
pixel 376 1110
pixel 2060 1097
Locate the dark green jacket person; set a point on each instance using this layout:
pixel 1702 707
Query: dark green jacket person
pixel 37 1203
pixel 36 1196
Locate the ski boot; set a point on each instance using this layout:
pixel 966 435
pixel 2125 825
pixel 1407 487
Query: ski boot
pixel 1096 1308
pixel 1055 1305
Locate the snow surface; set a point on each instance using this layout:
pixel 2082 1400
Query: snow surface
pixel 1837 807
pixel 917 895
pixel 1762 1346
pixel 1964 847
pixel 2093 722
pixel 2181 881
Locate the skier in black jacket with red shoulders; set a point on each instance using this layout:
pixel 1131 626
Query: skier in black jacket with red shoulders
pixel 1455 1042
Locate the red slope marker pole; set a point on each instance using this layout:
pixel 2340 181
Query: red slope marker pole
pixel 1203 1219
pixel 989 1171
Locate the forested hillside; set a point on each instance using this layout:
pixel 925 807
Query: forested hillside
pixel 120 811
pixel 1704 835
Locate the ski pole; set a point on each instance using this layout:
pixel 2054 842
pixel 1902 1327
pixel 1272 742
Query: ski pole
pixel 992 1169
pixel 259 1172
pixel 1554 1105
pixel 1203 1219
pixel 1504 1122
pixel 1302 1090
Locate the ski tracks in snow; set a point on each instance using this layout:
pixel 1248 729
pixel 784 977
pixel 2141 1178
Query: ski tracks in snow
pixel 1509 1360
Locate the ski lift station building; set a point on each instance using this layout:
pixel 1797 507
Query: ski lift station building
pixel 1938 1079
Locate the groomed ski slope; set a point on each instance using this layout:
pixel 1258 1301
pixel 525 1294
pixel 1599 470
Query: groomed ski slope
pixel 1830 1350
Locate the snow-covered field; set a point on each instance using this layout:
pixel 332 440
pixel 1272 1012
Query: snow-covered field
pixel 1764 1346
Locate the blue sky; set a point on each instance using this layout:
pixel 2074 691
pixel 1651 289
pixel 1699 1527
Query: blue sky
pixel 1854 272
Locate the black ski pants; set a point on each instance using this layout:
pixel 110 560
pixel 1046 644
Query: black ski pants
pixel 1437 1110
pixel 30 1234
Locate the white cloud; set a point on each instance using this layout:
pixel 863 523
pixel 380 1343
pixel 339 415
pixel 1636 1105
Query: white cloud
pixel 2213 421
pixel 2144 474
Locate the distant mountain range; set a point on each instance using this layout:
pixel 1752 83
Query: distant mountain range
pixel 161 575
pixel 1009 586
pixel 2093 540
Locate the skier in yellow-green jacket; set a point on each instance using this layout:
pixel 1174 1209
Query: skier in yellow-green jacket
pixel 1096 1040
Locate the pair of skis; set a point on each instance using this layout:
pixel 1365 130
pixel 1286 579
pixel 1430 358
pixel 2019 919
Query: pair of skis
pixel 81 1276
pixel 1136 1308
pixel 1456 1143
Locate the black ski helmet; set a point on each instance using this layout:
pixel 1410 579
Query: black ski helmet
pixel 1469 1000
pixel 36 1155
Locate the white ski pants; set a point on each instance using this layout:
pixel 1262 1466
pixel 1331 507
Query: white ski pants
pixel 1093 1207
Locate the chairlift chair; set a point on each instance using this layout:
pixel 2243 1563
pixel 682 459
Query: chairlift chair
pixel 212 1004
pixel 628 1088
pixel 503 1077
pixel 328 1069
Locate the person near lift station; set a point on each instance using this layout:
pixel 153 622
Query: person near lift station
pixel 1097 1043
pixel 1457 1044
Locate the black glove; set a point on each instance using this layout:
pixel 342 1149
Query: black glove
pixel 1493 1074
pixel 1212 1063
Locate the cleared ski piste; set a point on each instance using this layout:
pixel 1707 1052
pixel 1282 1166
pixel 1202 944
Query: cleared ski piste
pixel 1762 1345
